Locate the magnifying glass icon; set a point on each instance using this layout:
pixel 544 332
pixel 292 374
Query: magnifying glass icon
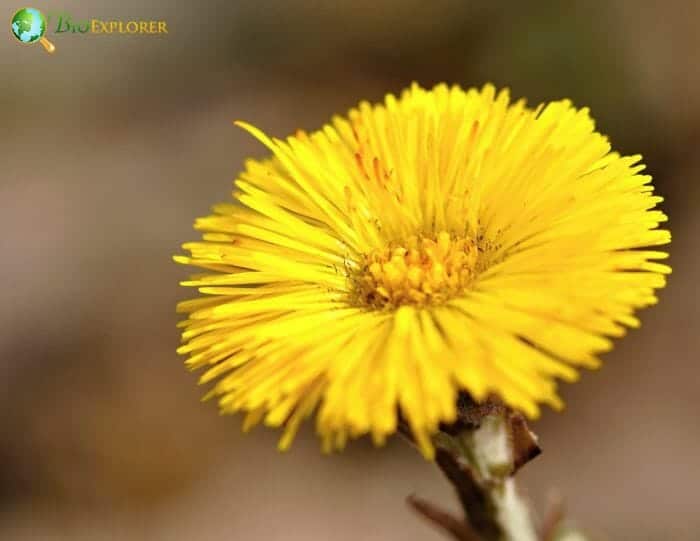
pixel 29 26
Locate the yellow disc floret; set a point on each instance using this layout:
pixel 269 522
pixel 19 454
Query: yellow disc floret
pixel 422 271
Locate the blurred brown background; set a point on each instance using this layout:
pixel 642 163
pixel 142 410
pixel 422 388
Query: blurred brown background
pixel 112 146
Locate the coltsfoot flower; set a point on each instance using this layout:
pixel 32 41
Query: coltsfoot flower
pixel 443 241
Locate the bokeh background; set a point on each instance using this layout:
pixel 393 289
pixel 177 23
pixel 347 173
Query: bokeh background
pixel 112 146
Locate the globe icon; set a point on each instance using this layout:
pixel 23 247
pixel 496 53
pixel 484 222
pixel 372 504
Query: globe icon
pixel 29 26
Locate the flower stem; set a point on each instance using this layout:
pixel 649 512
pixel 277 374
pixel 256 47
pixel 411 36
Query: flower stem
pixel 479 455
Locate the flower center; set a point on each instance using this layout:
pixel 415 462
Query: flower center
pixel 424 271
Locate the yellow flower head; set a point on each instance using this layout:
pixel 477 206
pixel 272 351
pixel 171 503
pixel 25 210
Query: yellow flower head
pixel 443 241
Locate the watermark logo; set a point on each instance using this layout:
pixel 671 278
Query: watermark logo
pixel 66 23
pixel 29 26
